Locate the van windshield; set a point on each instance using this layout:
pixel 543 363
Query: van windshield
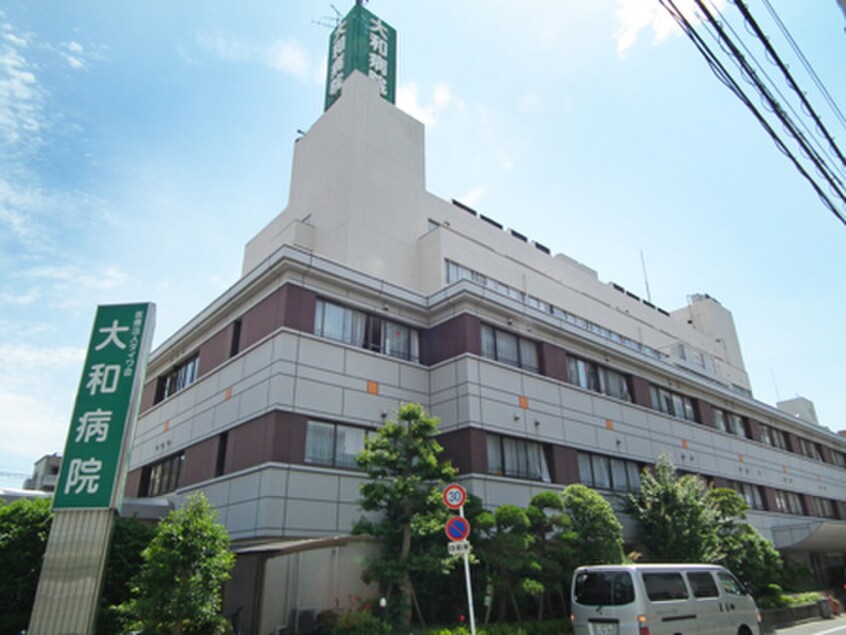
pixel 603 588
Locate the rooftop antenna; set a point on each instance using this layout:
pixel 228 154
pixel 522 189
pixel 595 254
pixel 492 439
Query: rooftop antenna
pixel 330 21
pixel 645 277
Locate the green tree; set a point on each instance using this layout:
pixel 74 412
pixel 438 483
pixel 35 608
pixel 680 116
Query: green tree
pixel 597 534
pixel 129 539
pixel 676 522
pixel 553 539
pixel 506 549
pixel 403 491
pixel 178 589
pixel 24 528
pixel 742 549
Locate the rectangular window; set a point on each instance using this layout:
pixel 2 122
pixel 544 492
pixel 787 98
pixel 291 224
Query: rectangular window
pixel 664 587
pixel 519 458
pixel 672 403
pixel 357 328
pixel 788 503
pixel 838 458
pixel 702 584
pixel 810 449
pixel 729 422
pixel 604 588
pixel 180 376
pixel 602 472
pixel 591 376
pixel 750 493
pixel 235 344
pixel 333 445
pixel 823 507
pixel 509 348
pixel 163 476
pixel 773 437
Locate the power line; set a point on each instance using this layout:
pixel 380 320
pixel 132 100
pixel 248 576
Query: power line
pixel 805 63
pixel 726 78
pixel 744 10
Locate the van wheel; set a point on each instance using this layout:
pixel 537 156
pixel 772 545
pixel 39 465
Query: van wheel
pixel 744 630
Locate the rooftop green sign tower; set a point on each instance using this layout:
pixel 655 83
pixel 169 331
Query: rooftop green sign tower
pixel 365 43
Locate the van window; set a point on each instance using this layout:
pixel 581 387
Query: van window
pixel 604 588
pixel 702 584
pixel 730 585
pixel 662 587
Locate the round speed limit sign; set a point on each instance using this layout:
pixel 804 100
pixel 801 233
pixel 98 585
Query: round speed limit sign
pixel 454 496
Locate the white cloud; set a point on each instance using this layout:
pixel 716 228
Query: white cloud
pixel 408 100
pixel 21 96
pixel 286 56
pixel 290 58
pixel 639 15
pixel 31 425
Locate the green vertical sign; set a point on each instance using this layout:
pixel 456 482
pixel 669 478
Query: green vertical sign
pixel 362 42
pixel 105 408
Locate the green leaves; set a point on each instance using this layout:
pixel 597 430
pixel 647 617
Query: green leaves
pixel 178 587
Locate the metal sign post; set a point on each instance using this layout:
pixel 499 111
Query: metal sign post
pixel 457 530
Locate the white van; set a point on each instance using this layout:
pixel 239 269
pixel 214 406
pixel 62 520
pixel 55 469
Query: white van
pixel 661 599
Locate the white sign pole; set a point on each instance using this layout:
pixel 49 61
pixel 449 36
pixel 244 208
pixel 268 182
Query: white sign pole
pixel 469 586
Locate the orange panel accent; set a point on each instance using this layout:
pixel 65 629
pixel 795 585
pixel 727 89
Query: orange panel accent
pixel 784 469
pixel 524 402
pixel 684 443
pixel 166 425
pixel 740 458
pixel 609 424
pixel 372 387
pixel 229 393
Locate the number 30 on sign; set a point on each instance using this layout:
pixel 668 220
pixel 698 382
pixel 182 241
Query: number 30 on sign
pixel 454 496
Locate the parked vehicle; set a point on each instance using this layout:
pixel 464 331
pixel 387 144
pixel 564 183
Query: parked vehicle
pixel 661 599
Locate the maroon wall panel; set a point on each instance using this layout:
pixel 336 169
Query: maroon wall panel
pixel 467 450
pixel 553 361
pixel 461 334
pixel 564 467
pixel 215 350
pixel 200 462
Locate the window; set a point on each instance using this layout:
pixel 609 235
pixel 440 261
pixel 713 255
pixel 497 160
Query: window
pixel 592 376
pixel 181 376
pixel 372 332
pixel 663 587
pixel 838 458
pixel 509 348
pixel 823 507
pixel 235 343
pixel 333 444
pixel 672 403
pixel 750 493
pixel 730 584
pixel 604 588
pixel 788 503
pixel 810 449
pixel 728 422
pixel 602 472
pixel 702 584
pixel 773 437
pixel 220 463
pixel 162 477
pixel 517 457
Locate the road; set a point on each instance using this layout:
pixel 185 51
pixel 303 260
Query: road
pixel 835 626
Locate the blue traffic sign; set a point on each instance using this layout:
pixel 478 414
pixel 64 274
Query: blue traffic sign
pixel 457 528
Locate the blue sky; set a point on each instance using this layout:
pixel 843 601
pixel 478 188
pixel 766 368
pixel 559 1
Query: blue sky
pixel 142 144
